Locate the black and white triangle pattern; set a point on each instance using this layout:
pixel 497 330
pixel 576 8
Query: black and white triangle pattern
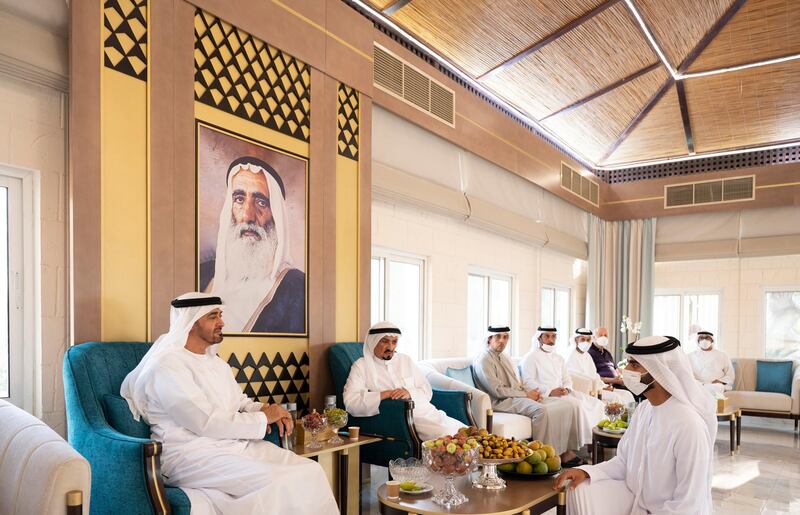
pixel 273 379
pixel 125 37
pixel 347 120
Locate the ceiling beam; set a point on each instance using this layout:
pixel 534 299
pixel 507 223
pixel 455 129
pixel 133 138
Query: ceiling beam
pixel 511 61
pixel 710 35
pixel 687 124
pixel 604 90
pixel 638 118
pixel 394 6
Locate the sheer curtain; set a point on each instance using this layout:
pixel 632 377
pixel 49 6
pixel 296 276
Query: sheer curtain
pixel 620 276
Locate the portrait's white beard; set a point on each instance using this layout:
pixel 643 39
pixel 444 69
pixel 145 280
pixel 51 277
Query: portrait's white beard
pixel 250 260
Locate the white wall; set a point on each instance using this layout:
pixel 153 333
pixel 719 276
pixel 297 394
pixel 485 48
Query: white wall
pixel 741 282
pixel 451 248
pixel 33 135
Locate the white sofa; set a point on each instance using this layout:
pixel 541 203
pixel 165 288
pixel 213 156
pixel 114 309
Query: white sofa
pixel 763 404
pixel 506 424
pixel 38 468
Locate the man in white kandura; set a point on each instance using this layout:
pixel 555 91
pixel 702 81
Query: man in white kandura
pixel 545 370
pixel 382 373
pixel 581 364
pixel 712 367
pixel 664 461
pixel 212 434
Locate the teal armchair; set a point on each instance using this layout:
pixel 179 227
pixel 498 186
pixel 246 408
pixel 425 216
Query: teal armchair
pixel 395 422
pixel 125 461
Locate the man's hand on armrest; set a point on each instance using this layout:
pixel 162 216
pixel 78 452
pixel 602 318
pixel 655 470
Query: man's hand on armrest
pixel 278 415
pixel 533 394
pixel 398 393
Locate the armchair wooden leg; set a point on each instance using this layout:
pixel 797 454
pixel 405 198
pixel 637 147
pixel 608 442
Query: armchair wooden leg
pixel 489 419
pixel 155 485
pixel 74 502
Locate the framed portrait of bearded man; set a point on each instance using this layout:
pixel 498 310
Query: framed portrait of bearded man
pixel 252 236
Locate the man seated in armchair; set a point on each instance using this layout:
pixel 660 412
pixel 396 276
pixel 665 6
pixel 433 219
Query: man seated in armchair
pixel 212 434
pixel 382 373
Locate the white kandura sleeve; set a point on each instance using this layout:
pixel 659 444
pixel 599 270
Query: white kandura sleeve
pixel 183 400
pixel 358 400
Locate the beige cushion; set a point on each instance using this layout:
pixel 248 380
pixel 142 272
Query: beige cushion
pixel 37 466
pixel 764 401
pixel 510 424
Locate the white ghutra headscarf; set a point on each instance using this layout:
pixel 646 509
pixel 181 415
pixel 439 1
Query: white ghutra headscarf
pixel 244 298
pixel 185 311
pixel 371 340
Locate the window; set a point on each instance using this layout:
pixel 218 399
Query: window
pixel 12 349
pixel 555 312
pixel 398 295
pixel 675 313
pixel 782 323
pixel 489 302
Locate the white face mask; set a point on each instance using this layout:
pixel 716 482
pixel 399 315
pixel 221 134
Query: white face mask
pixel 633 382
pixel 602 341
pixel 584 346
pixel 547 348
pixel 705 344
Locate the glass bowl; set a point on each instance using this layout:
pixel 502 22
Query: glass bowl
pixel 450 465
pixel 410 469
pixel 314 423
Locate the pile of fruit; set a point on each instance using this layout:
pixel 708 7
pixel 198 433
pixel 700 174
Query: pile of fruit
pixel 336 417
pixel 617 424
pixel 451 454
pixel 495 447
pixel 542 460
pixel 614 409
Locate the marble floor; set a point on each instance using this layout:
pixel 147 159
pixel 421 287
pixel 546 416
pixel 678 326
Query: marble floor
pixel 764 478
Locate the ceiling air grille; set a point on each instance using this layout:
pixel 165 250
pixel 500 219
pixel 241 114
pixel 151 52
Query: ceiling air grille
pixel 398 78
pixel 580 185
pixel 735 189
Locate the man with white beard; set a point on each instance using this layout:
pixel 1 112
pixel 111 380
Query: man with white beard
pixel 212 434
pixel 384 374
pixel 712 367
pixel 252 269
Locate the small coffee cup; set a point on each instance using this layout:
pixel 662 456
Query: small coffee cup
pixel 393 489
pixel 352 432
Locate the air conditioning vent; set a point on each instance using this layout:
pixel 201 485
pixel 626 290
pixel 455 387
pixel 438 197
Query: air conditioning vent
pixel 735 189
pixel 402 80
pixel 580 185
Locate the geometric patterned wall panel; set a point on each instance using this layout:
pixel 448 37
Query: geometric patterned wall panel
pixel 273 379
pixel 125 37
pixel 347 120
pixel 246 77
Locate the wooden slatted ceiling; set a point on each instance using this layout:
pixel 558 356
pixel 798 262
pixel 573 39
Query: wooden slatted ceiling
pixel 594 126
pixel 659 135
pixel 600 52
pixel 744 108
pixel 678 25
pixel 760 30
pixel 477 35
pixel 380 4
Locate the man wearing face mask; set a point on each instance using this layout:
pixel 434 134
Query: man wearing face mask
pixel 664 461
pixel 580 363
pixel 712 367
pixel 603 360
pixel 385 374
pixel 545 370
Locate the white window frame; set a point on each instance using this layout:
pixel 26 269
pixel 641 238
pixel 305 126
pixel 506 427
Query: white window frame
pixel 25 294
pixel 763 318
pixel 719 341
pixel 422 261
pixel 489 274
pixel 570 316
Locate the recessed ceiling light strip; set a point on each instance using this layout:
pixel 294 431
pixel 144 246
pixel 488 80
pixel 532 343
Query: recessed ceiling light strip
pixel 741 67
pixel 652 40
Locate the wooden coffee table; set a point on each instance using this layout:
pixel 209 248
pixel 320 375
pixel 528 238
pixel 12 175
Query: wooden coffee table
pixel 734 416
pixel 519 497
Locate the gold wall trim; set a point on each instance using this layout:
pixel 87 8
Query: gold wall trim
pixel 321 29
pixel 643 199
pixel 500 138
pixel 781 185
